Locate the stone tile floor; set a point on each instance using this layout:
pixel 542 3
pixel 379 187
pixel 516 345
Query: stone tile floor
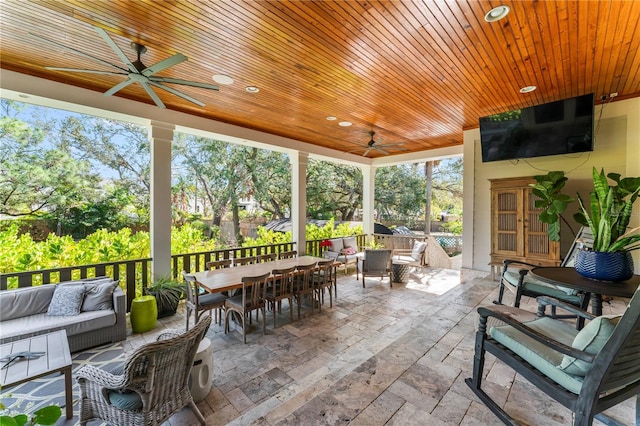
pixel 379 356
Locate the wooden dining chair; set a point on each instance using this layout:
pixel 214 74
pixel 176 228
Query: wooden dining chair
pixel 252 298
pixel 280 289
pixel 304 285
pixel 197 302
pixel 288 254
pixel 323 280
pixel 218 264
pixel 249 260
pixel 269 257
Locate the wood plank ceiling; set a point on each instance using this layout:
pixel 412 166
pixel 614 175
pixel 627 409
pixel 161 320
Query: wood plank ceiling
pixel 417 72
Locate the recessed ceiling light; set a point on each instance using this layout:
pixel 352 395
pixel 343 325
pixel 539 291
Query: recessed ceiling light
pixel 527 89
pixel 497 13
pixel 222 79
pixel 332 118
pixel 252 89
pixel 345 123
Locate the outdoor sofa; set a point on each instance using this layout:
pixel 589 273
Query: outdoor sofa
pixel 92 311
pixel 343 250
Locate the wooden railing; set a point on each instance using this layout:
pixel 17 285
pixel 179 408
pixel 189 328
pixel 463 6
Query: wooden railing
pixel 135 274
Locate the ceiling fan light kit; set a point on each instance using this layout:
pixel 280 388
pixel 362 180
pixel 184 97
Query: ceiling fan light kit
pixel 136 71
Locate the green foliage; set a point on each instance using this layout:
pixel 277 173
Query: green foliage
pixel 21 253
pixel 610 212
pixel 548 189
pixel 453 227
pixel 266 237
pixel 48 415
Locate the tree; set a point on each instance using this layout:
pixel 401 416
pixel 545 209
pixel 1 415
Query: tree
pixel 333 190
pixel 36 176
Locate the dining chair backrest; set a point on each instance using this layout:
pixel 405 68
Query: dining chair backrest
pixel 304 280
pixel 323 276
pixel 270 257
pixel 218 264
pixel 191 302
pixel 283 281
pixel 254 290
pixel 288 254
pixel 250 260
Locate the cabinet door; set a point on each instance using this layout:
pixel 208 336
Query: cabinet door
pixel 507 222
pixel 536 239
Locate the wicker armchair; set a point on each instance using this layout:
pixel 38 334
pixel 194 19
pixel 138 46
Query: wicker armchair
pixel 153 384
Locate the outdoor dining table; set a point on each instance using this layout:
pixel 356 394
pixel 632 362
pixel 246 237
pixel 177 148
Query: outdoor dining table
pixel 227 279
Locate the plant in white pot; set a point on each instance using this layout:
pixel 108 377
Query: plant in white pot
pixel 607 215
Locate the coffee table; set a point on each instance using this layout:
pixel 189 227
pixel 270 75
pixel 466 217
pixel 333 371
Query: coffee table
pixel 56 358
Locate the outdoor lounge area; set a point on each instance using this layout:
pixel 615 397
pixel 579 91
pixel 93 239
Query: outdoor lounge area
pixel 379 356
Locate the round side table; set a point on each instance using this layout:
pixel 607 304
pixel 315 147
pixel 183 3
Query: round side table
pixel 201 378
pixel 400 269
pixel 144 313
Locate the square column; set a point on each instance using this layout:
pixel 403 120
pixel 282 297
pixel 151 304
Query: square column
pixel 368 195
pixel 299 162
pixel 161 138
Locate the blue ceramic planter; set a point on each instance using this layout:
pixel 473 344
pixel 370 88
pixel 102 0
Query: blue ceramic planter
pixel 617 266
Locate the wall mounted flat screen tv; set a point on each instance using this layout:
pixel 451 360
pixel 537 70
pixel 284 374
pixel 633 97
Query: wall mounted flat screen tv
pixel 561 127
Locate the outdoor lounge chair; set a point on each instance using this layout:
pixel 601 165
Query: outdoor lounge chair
pixel 523 284
pixel 152 385
pixel 375 262
pixel 587 371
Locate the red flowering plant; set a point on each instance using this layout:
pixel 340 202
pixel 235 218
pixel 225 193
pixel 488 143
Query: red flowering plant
pixel 324 244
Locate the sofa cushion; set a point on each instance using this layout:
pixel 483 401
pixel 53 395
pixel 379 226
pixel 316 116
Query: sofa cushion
pixel 350 242
pixel 98 296
pixel 43 323
pixel 23 302
pixel 66 300
pixel 590 339
pixel 336 245
pixel 418 249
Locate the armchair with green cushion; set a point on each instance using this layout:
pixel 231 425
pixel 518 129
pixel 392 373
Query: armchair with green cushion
pixel 515 277
pixel 587 371
pixel 151 385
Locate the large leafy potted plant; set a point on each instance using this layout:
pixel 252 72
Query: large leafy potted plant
pixel 168 293
pixel 608 215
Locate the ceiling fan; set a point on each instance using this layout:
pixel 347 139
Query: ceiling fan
pixel 373 145
pixel 136 71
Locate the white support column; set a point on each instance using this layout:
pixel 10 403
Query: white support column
pixel 299 199
pixel 368 194
pixel 161 138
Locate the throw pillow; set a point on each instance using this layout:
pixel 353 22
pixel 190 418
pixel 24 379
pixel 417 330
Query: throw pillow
pixel 99 296
pixel 591 339
pixel 418 249
pixel 351 242
pixel 66 300
pixel 348 250
pixel 336 245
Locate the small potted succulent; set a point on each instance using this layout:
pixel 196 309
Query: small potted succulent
pixel 168 293
pixel 607 215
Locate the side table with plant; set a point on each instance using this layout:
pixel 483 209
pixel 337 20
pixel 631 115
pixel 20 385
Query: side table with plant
pixel 608 215
pixel 168 293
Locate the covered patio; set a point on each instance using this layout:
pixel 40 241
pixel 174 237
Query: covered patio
pixel 379 356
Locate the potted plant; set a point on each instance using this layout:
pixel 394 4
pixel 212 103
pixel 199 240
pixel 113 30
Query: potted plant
pixel 168 293
pixel 608 215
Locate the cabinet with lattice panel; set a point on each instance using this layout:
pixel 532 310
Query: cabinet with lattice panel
pixel 516 231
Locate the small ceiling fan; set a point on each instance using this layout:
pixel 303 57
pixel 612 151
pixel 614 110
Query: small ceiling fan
pixel 373 145
pixel 136 71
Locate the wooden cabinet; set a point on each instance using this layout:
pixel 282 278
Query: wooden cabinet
pixel 516 232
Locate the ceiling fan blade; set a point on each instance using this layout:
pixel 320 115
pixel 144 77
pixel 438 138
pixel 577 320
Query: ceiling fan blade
pixel 118 87
pixel 184 82
pixel 381 150
pixel 86 71
pixel 177 93
pixel 366 152
pixel 102 33
pixel 78 52
pixel 166 63
pixel 391 144
pixel 151 93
